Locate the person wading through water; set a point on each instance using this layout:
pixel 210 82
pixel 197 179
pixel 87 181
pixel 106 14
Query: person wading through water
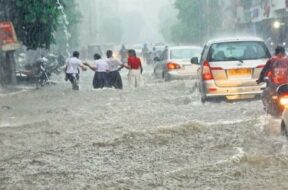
pixel 135 70
pixel 100 66
pixel 123 54
pixel 113 76
pixel 72 69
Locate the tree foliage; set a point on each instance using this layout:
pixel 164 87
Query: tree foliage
pixel 35 21
pixel 74 18
pixel 196 20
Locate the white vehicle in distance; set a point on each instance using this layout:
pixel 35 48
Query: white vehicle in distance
pixel 230 67
pixel 175 63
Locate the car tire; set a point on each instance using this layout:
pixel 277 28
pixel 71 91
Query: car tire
pixel 284 131
pixel 203 99
pixel 166 77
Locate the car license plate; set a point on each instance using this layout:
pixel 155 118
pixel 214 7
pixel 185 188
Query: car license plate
pixel 239 72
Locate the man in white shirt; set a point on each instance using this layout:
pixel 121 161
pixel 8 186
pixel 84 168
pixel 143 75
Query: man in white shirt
pixel 113 76
pixel 73 65
pixel 100 66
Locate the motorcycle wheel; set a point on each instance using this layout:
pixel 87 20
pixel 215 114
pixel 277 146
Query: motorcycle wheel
pixel 274 110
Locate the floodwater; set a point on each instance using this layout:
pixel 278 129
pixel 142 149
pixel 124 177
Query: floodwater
pixel 157 137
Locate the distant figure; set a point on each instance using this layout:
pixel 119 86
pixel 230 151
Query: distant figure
pixel 164 55
pixel 135 70
pixel 100 66
pixel 72 70
pixel 145 52
pixel 113 76
pixel 123 54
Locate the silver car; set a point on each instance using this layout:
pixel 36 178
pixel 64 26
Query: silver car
pixel 175 63
pixel 230 67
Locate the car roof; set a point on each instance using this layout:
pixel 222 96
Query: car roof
pixel 185 47
pixel 235 39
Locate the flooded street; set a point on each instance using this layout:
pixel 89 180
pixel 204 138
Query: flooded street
pixel 156 137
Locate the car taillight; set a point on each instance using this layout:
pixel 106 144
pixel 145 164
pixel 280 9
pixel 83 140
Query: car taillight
pixel 172 66
pixel 206 73
pixel 284 101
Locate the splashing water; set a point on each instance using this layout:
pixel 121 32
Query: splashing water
pixel 65 23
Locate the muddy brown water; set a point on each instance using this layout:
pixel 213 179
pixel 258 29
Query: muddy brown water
pixel 156 137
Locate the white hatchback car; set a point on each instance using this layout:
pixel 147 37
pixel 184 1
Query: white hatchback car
pixel 230 67
pixel 175 63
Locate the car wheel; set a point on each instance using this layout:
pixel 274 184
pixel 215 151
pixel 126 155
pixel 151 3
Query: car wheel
pixel 203 99
pixel 166 77
pixel 284 131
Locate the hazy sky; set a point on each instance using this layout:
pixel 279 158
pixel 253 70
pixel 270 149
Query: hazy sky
pixel 139 18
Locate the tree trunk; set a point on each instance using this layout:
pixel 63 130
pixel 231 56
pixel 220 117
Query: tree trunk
pixel 7 69
pixel 2 74
pixel 12 67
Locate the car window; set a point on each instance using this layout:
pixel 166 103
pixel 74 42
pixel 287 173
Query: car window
pixel 238 51
pixel 184 53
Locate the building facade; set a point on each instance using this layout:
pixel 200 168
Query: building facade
pixel 265 18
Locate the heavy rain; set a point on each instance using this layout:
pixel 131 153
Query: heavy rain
pixel 183 99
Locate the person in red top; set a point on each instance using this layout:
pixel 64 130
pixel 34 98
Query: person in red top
pixel 135 70
pixel 276 73
pixel 276 68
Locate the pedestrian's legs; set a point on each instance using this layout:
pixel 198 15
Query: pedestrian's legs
pixel 109 79
pixel 133 78
pixel 73 78
pixel 118 81
pixel 138 78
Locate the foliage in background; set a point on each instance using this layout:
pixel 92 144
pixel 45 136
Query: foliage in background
pixel 74 18
pixel 36 22
pixel 196 20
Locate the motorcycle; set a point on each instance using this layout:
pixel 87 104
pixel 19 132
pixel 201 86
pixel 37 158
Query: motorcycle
pixel 282 92
pixel 271 97
pixel 35 73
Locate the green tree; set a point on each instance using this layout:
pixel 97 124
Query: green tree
pixel 74 18
pixel 197 20
pixel 34 21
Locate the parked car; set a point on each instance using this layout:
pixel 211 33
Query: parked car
pixel 175 63
pixel 230 67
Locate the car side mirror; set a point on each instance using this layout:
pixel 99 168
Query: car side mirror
pixel 195 60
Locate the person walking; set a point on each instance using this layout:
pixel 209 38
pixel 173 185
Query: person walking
pixel 145 53
pixel 113 76
pixel 72 69
pixel 123 54
pixel 135 70
pixel 100 66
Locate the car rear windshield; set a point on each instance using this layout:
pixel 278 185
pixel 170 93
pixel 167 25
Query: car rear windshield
pixel 186 54
pixel 230 51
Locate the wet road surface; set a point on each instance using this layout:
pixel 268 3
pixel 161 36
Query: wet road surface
pixel 156 137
